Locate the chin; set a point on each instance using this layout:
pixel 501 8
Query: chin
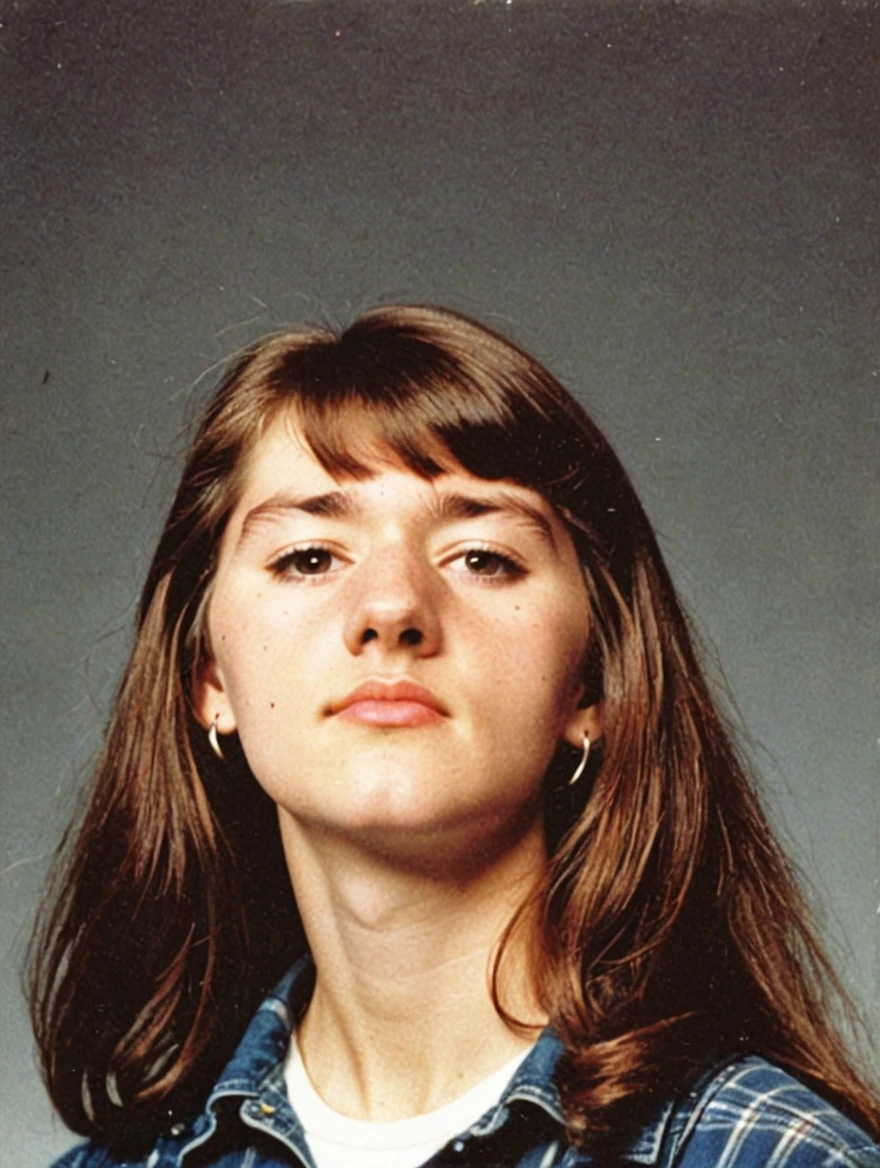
pixel 442 840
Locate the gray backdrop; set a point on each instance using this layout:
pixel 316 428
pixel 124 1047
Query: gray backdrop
pixel 674 205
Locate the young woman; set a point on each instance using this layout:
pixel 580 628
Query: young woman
pixel 408 646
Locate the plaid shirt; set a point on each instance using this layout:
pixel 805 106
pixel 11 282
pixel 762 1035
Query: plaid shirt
pixel 751 1114
pixel 746 1113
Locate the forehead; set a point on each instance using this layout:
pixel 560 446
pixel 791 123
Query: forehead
pixel 281 453
pixel 281 474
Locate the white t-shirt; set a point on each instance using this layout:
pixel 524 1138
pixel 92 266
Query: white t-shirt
pixel 337 1141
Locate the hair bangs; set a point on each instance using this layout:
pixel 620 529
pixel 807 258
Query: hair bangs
pixel 380 395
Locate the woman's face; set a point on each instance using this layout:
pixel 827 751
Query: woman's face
pixel 400 657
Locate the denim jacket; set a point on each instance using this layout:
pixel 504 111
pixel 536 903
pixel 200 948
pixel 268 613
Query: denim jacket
pixel 745 1113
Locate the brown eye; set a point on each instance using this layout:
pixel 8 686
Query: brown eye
pixel 312 561
pixel 485 563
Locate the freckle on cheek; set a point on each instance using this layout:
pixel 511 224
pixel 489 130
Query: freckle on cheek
pixel 271 705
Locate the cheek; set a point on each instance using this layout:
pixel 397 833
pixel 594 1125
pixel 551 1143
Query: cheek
pixel 559 637
pixel 539 662
pixel 252 653
pixel 268 699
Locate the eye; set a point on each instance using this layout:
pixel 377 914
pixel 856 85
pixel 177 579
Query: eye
pixel 307 561
pixel 487 563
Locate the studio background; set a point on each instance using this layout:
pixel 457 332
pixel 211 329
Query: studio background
pixel 674 206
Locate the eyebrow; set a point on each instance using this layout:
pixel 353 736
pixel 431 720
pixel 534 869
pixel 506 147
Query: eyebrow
pixel 448 506
pixel 453 505
pixel 332 504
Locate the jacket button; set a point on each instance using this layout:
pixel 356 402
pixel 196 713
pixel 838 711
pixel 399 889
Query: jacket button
pixel 268 1109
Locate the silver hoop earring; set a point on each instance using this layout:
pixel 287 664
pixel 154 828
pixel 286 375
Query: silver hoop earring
pixel 581 766
pixel 214 741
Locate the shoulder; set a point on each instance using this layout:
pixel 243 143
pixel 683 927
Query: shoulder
pixel 78 1157
pixel 752 1114
pixel 92 1155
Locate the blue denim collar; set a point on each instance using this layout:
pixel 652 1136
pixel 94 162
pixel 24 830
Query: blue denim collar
pixel 254 1075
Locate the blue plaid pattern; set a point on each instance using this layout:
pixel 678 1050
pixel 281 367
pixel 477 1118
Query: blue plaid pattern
pixel 754 1115
pixel 746 1113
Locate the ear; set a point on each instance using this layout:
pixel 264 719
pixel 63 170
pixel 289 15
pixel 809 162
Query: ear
pixel 585 720
pixel 210 700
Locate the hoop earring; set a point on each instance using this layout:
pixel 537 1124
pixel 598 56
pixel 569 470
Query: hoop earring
pixel 214 741
pixel 581 766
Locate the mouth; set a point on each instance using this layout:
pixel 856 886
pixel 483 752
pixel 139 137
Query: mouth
pixel 395 703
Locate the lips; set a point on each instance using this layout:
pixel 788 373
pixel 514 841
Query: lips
pixel 394 703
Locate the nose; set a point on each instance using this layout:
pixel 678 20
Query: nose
pixel 393 606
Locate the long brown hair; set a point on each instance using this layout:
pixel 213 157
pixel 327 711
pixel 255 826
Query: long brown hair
pixel 672 930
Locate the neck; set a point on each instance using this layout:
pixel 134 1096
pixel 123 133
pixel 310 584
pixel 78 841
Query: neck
pixel 402 1019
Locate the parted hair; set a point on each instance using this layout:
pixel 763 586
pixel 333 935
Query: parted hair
pixel 671 931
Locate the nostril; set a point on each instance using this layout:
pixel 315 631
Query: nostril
pixel 408 636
